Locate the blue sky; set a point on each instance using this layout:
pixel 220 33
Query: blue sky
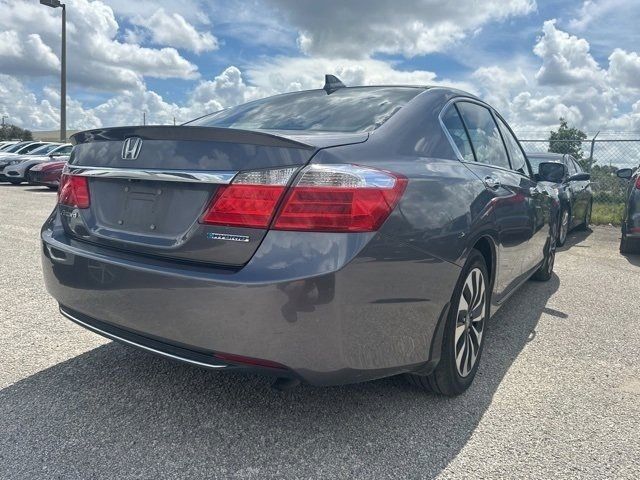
pixel 534 60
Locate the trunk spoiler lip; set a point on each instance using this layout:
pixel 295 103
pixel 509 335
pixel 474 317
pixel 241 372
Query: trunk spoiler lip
pixel 188 133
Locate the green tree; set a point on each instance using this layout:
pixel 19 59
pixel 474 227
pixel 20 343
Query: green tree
pixel 10 132
pixel 569 140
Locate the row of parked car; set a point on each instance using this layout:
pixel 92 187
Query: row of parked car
pixel 34 162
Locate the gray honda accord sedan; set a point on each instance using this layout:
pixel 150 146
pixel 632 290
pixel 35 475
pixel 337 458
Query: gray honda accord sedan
pixel 330 236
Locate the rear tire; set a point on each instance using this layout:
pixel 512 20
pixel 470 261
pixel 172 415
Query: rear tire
pixel 545 272
pixel 563 227
pixel 463 338
pixel 15 182
pixel 629 245
pixel 587 218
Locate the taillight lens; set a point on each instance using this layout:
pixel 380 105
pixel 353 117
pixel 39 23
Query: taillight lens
pixel 325 198
pixel 250 201
pixel 74 191
pixel 340 198
pixel 638 182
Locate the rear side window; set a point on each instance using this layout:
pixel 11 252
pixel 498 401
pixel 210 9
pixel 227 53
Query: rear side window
pixel 484 133
pixel 518 160
pixel 455 128
pixel 571 167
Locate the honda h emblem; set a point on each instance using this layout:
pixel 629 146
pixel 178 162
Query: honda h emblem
pixel 131 148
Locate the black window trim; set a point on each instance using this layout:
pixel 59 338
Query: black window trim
pixel 524 154
pixel 455 101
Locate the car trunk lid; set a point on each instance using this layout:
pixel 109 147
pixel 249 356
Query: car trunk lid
pixel 150 186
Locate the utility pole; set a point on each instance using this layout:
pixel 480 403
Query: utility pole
pixel 63 65
pixel 144 118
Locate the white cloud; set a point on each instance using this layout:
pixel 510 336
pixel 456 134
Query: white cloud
pixel 593 10
pixel 624 69
pixel 173 30
pixel 357 29
pixel 299 73
pixel 23 107
pixel 566 59
pixel 97 59
pixel 569 83
pixel 26 55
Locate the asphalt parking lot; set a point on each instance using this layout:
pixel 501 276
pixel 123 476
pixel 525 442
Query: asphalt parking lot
pixel 557 394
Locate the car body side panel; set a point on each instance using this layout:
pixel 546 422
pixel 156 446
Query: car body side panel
pixel 631 222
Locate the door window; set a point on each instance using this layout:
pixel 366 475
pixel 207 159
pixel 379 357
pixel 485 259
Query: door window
pixel 571 167
pixel 518 160
pixel 455 128
pixel 485 136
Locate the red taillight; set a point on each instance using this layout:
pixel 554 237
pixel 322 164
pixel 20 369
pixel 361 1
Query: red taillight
pixel 340 198
pixel 638 182
pixel 249 206
pixel 325 198
pixel 74 191
pixel 250 200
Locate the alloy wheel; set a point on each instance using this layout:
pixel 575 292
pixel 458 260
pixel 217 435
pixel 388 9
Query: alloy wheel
pixel 564 227
pixel 470 322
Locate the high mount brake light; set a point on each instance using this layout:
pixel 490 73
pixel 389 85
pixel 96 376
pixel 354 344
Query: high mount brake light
pixel 74 191
pixel 325 198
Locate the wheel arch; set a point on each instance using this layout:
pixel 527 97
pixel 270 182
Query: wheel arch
pixel 487 247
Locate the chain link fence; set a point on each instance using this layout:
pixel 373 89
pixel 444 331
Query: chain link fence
pixel 601 157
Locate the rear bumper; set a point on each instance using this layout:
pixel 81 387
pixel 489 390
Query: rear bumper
pixel 342 309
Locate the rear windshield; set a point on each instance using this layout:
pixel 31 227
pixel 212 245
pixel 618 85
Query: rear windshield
pixel 358 109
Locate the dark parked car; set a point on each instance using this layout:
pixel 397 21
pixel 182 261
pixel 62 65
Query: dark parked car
pixel 574 190
pixel 335 235
pixel 47 174
pixel 630 241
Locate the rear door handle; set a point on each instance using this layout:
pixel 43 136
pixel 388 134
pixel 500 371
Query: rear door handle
pixel 491 183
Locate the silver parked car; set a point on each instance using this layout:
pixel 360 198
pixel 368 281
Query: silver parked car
pixel 332 236
pixel 17 169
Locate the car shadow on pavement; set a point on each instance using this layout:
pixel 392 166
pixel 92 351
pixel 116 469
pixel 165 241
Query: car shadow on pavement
pixel 115 412
pixel 632 258
pixel 575 239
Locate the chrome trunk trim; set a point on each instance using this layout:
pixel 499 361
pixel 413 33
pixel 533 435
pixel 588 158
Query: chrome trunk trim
pixel 222 177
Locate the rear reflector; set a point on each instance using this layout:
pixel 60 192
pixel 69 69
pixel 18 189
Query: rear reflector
pixel 249 361
pixel 325 198
pixel 74 191
pixel 340 198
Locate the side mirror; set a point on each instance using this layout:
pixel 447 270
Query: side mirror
pixel 551 172
pixel 579 177
pixel 625 173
